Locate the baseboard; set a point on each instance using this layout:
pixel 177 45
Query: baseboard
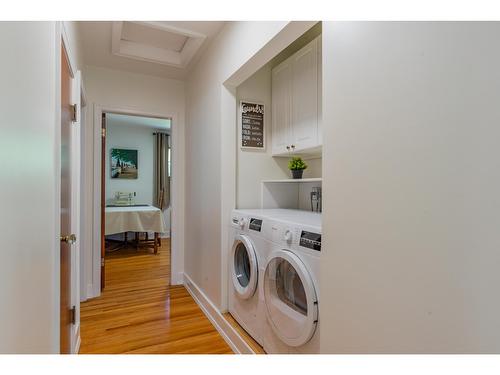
pixel 179 280
pixel 228 333
pixel 90 291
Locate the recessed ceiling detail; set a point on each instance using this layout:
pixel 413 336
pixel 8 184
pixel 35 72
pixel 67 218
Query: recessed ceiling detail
pixel 156 42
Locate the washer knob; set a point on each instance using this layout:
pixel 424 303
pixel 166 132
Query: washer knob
pixel 242 223
pixel 288 236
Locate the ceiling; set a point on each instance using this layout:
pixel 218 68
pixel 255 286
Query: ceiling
pixel 161 48
pixel 138 121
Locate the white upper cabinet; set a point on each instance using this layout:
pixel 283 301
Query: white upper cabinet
pixel 296 98
pixel 281 97
pixel 304 125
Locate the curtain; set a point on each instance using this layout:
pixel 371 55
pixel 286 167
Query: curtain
pixel 161 177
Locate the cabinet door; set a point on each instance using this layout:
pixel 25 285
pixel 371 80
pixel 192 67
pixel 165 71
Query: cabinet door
pixel 320 92
pixel 304 124
pixel 281 101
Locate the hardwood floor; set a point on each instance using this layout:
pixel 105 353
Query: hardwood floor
pixel 139 312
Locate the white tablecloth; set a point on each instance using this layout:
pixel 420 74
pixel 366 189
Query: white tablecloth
pixel 134 219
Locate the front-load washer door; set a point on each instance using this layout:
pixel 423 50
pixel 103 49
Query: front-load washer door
pixel 290 297
pixel 244 267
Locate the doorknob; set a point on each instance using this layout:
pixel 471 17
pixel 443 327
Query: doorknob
pixel 71 239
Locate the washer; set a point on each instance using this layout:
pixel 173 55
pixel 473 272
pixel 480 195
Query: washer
pixel 244 300
pixel 290 282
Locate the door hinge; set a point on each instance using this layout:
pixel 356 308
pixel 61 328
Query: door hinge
pixel 102 262
pixel 73 315
pixel 73 112
pixel 103 132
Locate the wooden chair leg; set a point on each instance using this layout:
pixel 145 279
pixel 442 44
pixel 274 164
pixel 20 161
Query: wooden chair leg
pixel 156 243
pixel 159 241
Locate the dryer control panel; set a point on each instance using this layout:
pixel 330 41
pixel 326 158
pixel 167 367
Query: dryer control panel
pixel 310 240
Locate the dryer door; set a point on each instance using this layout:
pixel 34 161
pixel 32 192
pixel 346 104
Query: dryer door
pixel 291 301
pixel 244 267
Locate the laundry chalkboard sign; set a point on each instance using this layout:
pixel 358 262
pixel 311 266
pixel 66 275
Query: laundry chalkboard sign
pixel 252 125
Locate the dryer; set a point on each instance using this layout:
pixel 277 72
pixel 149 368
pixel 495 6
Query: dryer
pixel 244 300
pixel 290 282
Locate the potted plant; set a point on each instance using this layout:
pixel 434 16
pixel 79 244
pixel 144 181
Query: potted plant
pixel 297 166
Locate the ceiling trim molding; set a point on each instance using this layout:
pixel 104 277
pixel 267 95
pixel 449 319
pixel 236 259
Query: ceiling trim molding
pixel 153 54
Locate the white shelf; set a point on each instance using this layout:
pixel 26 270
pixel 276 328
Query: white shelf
pixel 292 180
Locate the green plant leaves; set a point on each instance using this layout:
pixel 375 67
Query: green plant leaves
pixel 296 163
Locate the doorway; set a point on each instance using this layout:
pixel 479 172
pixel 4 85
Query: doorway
pixel 135 188
pixel 91 279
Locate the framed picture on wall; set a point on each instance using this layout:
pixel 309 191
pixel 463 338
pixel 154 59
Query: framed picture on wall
pixel 251 124
pixel 124 164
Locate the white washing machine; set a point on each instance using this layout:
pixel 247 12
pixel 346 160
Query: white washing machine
pixel 244 300
pixel 290 281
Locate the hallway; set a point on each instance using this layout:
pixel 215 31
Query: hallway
pixel 139 312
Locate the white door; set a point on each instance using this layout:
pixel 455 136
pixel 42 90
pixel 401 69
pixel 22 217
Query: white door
pixel 290 298
pixel 244 267
pixel 304 123
pixel 281 101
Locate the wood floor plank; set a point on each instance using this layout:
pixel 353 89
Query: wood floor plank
pixel 139 312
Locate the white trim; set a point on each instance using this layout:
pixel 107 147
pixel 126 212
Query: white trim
pixel 96 210
pixel 76 204
pixel 75 180
pixel 69 53
pixel 228 136
pixel 228 333
pixel 75 347
pixel 143 52
pixel 83 94
pixel 78 344
pixel 90 291
pixel 177 191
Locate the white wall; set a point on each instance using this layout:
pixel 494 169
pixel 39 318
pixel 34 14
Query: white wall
pixel 253 166
pixel 240 49
pixel 122 135
pixel 203 161
pixel 412 212
pixel 29 159
pixel 144 94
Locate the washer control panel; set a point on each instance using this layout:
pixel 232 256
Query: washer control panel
pixel 255 224
pixel 239 222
